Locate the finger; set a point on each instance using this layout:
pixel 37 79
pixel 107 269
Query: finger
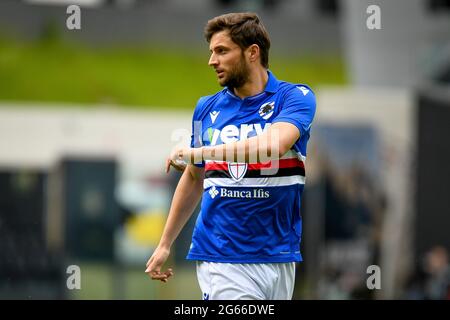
pixel 150 266
pixel 149 261
pixel 153 269
pixel 165 280
pixel 169 272
pixel 177 166
pixel 168 275
pixel 168 162
pixel 158 277
pixel 155 274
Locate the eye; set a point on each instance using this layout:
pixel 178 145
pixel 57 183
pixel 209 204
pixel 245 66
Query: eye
pixel 221 50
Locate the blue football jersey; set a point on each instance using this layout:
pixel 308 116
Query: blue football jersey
pixel 250 212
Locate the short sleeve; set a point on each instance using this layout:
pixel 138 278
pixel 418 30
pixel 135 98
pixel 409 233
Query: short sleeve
pixel 299 107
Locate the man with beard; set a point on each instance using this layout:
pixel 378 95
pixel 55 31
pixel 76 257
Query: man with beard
pixel 247 155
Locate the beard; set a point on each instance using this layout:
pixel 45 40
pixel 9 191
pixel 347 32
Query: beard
pixel 238 75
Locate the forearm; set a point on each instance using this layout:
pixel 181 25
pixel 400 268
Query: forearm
pixel 256 149
pixel 184 202
pixel 262 148
pixel 269 146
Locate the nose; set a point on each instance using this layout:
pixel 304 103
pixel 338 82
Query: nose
pixel 213 60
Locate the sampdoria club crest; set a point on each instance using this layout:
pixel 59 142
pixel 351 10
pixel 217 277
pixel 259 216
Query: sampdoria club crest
pixel 266 110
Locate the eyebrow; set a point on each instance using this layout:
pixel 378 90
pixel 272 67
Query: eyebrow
pixel 219 47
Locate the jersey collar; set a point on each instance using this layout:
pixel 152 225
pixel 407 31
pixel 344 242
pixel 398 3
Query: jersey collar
pixel 272 83
pixel 271 86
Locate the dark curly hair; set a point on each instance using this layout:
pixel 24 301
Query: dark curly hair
pixel 244 29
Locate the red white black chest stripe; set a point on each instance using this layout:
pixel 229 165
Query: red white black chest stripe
pixel 288 170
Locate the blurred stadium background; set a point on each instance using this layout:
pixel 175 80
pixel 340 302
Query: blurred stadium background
pixel 87 117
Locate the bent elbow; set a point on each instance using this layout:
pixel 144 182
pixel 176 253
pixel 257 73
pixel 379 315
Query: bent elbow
pixel 282 150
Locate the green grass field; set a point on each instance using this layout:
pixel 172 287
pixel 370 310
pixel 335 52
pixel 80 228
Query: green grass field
pixel 100 281
pixel 52 71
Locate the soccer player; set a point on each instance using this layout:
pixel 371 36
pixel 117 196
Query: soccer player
pixel 247 164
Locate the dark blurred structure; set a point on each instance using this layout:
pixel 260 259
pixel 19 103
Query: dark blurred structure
pixel 430 276
pixel 433 171
pixel 328 7
pixel 48 222
pixel 437 5
pixel 90 209
pixel 344 209
pixel 256 4
pixel 28 268
pixel 430 279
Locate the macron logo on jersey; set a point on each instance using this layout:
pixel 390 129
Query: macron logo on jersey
pixel 232 133
pixel 303 90
pixel 214 116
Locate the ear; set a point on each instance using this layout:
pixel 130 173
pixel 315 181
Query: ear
pixel 253 53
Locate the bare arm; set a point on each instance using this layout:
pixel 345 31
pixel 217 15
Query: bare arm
pixel 271 145
pixel 185 200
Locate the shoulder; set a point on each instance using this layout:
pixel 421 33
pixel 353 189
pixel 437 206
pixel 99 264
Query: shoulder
pixel 296 94
pixel 296 90
pixel 205 103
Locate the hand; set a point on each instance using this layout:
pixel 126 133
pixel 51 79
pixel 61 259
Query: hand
pixel 181 154
pixel 155 263
pixel 178 165
pixel 180 157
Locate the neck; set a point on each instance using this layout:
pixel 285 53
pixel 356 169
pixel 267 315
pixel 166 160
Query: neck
pixel 255 84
